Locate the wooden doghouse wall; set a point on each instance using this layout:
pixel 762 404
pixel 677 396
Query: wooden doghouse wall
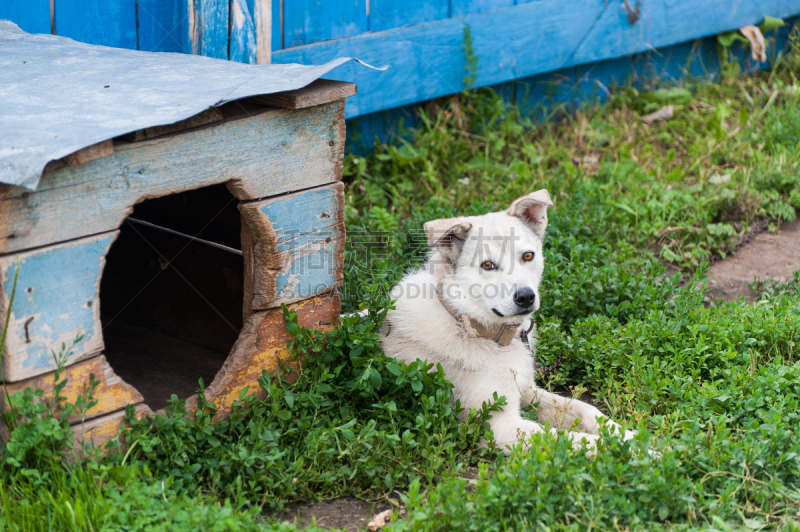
pixel 280 157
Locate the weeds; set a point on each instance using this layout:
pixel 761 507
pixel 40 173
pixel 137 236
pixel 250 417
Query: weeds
pixel 715 389
pixel 351 422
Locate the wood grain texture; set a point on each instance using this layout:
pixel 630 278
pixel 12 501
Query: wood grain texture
pixel 466 7
pixel 57 299
pixel 388 14
pixel 112 393
pixel 208 116
pixel 163 26
pixel 243 43
pixel 90 153
pixel 32 16
pixel 427 60
pixel 208 27
pixel 310 21
pixel 271 152
pixel 262 346
pixel 106 22
pixel 99 431
pixel 262 13
pixel 277 25
pixel 319 92
pixel 293 246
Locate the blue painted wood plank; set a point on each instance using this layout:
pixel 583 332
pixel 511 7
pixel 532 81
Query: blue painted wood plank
pixel 388 14
pixel 57 299
pixel 574 86
pixel 208 27
pixel 243 32
pixel 277 26
pixel 427 59
pixel 163 25
pixel 258 155
pixel 310 21
pixel 32 16
pixel 466 7
pixel 106 22
pixel 297 244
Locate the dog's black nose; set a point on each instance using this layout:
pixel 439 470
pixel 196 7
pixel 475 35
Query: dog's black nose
pixel 524 297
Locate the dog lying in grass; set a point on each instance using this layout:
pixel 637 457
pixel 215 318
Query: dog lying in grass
pixel 469 309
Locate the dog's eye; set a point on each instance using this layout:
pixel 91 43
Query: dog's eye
pixel 527 256
pixel 488 265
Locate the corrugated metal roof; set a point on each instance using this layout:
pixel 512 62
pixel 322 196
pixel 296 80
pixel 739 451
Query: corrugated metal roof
pixel 58 96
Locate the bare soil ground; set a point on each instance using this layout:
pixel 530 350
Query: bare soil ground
pixel 767 256
pixel 346 513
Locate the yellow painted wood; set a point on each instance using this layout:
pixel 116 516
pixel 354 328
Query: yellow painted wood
pixel 111 394
pixel 263 346
pixel 97 432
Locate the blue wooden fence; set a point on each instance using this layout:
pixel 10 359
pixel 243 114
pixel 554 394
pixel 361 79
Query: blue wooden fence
pixel 584 43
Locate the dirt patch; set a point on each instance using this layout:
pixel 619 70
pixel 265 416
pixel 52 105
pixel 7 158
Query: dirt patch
pixel 346 513
pixel 766 256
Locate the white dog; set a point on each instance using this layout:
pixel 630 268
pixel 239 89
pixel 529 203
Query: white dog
pixel 469 309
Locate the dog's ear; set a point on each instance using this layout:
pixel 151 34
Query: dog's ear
pixel 447 235
pixel 532 210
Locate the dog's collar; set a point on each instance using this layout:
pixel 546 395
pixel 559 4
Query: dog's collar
pixel 500 334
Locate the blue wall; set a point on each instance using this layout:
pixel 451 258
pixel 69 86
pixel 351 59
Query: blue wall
pixel 550 49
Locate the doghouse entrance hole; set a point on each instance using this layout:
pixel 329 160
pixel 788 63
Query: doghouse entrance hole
pixel 171 294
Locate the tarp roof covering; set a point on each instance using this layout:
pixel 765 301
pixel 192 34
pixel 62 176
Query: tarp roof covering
pixel 58 96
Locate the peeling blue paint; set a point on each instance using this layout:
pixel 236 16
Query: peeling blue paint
pixel 57 288
pixel 306 230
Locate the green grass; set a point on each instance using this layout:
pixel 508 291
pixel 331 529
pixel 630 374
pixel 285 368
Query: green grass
pixel 714 388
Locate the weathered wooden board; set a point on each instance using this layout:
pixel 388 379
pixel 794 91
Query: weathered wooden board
pixel 206 117
pixel 277 24
pixel 57 299
pixel 97 432
pixel 270 151
pixel 466 7
pixel 208 27
pixel 427 60
pixel 309 21
pixel 319 92
pixel 90 153
pixel 262 14
pixel 243 33
pixel 163 26
pixel 263 346
pixel 388 14
pixel 293 246
pixel 112 393
pixel 106 22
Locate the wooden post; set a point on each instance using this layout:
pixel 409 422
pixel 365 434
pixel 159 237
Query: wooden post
pixel 263 17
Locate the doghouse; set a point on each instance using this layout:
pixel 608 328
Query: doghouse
pixel 161 208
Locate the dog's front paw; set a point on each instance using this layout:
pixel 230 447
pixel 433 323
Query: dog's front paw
pixel 581 440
